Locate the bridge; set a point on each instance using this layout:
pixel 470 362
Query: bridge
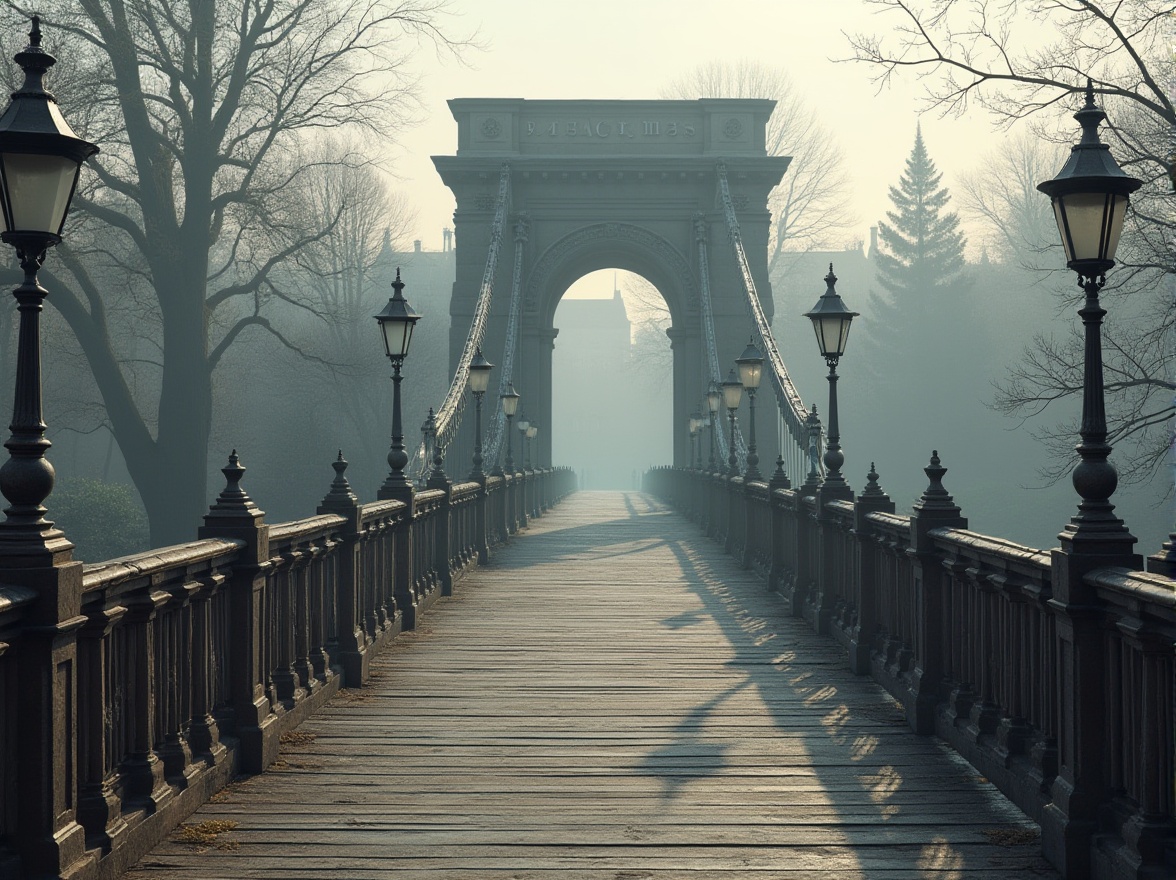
pixel 730 673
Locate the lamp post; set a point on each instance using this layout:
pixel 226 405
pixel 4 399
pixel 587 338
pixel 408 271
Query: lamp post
pixel 532 430
pixel 692 428
pixel 831 320
pixel 479 381
pixel 751 368
pixel 524 424
pixel 396 324
pixel 714 399
pixel 40 162
pixel 732 394
pixel 510 405
pixel 1090 196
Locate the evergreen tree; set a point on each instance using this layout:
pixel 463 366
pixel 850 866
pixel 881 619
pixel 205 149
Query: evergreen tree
pixel 922 344
pixel 921 261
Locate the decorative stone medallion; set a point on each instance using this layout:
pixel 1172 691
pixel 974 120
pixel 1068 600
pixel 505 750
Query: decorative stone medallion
pixel 733 128
pixel 491 128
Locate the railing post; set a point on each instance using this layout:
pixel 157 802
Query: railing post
pixel 820 604
pixel 353 641
pixel 50 840
pixel 747 557
pixel 934 510
pixel 862 638
pixel 482 521
pixel 235 516
pixel 1081 790
pixel 734 499
pixel 442 522
pixel 779 520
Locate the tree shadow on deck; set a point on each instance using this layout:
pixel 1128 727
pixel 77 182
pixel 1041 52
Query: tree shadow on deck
pixel 892 799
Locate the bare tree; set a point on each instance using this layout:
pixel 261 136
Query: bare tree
pixel 200 109
pixel 1024 61
pixel 810 205
pixel 1000 196
pixel 366 222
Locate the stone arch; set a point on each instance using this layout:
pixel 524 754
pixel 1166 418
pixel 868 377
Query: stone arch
pixel 605 246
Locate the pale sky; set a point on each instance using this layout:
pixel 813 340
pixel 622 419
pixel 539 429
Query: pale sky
pixel 632 48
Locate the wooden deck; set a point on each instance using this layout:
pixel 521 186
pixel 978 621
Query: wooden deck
pixel 612 697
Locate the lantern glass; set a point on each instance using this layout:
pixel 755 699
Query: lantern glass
pixel 751 367
pixel 714 398
pixel 832 333
pixel 510 402
pixel 531 432
pixel 524 424
pixel 732 393
pixel 397 335
pixel 1090 225
pixel 37 191
pixel 480 373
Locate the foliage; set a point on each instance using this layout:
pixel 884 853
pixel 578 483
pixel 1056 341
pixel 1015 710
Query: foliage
pixel 197 200
pixel 919 264
pixel 1030 61
pixel 810 205
pixel 103 520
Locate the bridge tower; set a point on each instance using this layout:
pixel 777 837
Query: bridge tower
pixel 611 184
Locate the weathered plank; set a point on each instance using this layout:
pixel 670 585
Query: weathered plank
pixel 612 697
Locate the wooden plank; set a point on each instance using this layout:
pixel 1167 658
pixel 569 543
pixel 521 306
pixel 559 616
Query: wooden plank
pixel 612 697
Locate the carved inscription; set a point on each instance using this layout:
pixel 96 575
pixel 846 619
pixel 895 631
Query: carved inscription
pixel 628 129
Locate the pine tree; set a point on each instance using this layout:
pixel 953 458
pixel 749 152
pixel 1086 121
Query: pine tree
pixel 921 347
pixel 921 261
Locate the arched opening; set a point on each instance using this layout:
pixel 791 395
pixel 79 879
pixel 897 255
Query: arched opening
pixel 612 379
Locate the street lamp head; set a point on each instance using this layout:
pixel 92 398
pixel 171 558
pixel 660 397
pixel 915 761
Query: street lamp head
pixel 714 397
pixel 1090 196
pixel 40 156
pixel 732 391
pixel 831 320
pixel 696 421
pixel 396 322
pixel 524 422
pixel 480 373
pixel 510 401
pixel 751 366
pixel 532 430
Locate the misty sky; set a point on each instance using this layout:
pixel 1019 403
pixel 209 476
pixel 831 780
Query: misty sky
pixel 625 49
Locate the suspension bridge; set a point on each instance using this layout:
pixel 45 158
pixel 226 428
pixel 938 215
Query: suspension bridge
pixel 727 674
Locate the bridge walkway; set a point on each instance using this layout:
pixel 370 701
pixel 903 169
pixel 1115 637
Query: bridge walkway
pixel 612 697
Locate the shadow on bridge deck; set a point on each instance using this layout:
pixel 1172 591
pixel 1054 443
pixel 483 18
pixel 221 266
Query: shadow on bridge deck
pixel 612 697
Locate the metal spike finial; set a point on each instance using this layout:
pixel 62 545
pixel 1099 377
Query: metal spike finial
pixel 35 33
pixel 872 489
pixel 340 492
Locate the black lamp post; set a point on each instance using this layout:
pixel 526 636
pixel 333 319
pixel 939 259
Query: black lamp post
pixel 396 323
pixel 751 368
pixel 696 423
pixel 831 320
pixel 524 424
pixel 40 161
pixel 479 381
pixel 532 430
pixel 510 406
pixel 732 394
pixel 714 399
pixel 1090 196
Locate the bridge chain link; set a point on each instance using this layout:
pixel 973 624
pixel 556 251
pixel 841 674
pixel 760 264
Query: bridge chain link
pixel 797 419
pixel 447 418
pixel 712 348
pixel 497 430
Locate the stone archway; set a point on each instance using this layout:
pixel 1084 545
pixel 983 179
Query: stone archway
pixel 610 184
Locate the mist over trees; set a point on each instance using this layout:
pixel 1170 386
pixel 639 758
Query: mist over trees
pixel 978 53
pixel 810 207
pixel 198 198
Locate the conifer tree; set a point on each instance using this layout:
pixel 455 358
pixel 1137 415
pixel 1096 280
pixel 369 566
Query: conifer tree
pixel 920 263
